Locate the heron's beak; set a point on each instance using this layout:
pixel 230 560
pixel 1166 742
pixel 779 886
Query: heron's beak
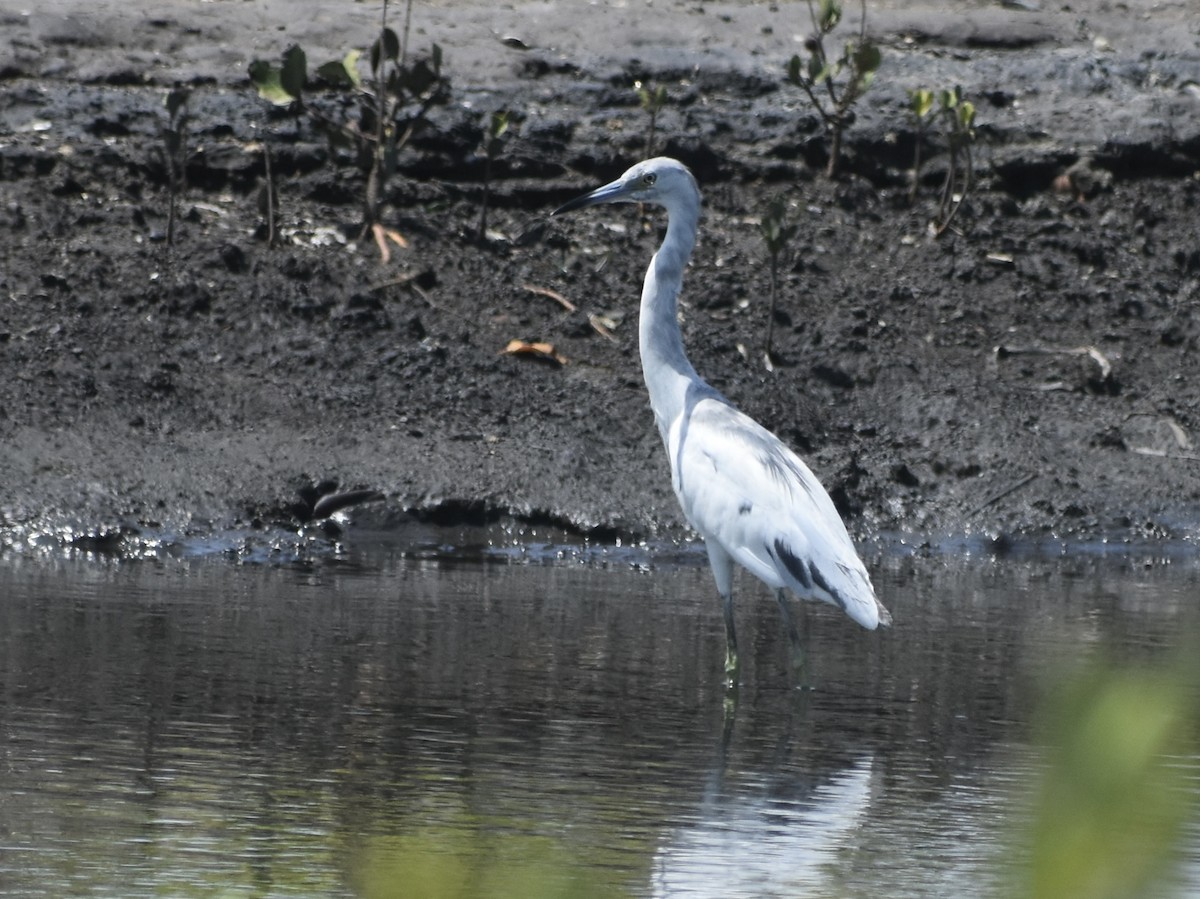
pixel 614 192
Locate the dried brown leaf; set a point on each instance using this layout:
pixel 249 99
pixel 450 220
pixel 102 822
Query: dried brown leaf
pixel 540 350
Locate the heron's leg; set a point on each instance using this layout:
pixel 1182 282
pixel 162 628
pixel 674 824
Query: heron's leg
pixel 732 662
pixel 722 569
pixel 793 634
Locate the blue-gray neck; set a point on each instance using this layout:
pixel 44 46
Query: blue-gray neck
pixel 665 366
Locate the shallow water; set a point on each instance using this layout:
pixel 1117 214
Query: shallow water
pixel 373 724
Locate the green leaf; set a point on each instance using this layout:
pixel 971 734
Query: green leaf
pixel 385 47
pixel 966 115
pixel 776 233
pixel 652 100
pixel 794 70
pixel 350 63
pixel 418 79
pixel 498 124
pixel 643 94
pixel 829 14
pixel 343 73
pixel 175 100
pixel 334 73
pixel 265 78
pixel 294 74
pixel 867 58
pixel 920 102
pixel 391 44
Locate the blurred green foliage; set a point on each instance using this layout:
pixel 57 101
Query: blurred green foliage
pixel 1115 793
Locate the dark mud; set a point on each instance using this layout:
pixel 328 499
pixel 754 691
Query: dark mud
pixel 1032 373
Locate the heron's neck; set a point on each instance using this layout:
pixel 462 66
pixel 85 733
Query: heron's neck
pixel 665 366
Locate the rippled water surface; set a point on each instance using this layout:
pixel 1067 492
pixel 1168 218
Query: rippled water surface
pixel 384 726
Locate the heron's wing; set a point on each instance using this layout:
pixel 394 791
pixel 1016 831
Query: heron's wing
pixel 741 486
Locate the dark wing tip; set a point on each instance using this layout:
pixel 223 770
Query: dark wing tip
pixel 885 617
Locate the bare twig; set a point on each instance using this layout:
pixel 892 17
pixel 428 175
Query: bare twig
pixel 1007 491
pixel 175 152
pixel 408 281
pixel 551 294
pixel 270 189
pixel 1164 454
pixel 600 326
pixel 1090 351
pixel 598 323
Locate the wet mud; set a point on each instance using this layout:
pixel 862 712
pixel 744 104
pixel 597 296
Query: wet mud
pixel 1032 372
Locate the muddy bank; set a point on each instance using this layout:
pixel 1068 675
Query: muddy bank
pixel 1032 373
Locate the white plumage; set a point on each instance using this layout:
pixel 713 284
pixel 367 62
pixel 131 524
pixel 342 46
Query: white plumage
pixel 750 497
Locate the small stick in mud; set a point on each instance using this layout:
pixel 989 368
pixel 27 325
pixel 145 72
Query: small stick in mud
pixel 175 153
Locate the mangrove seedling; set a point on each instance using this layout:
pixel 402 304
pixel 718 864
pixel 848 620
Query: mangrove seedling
pixel 777 234
pixel 833 85
pixel 920 105
pixel 493 145
pixel 392 104
pixel 394 107
pixel 653 100
pixel 958 123
pixel 175 153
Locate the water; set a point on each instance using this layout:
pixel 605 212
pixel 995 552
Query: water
pixel 374 724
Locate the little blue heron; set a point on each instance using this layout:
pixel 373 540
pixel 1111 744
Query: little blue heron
pixel 750 497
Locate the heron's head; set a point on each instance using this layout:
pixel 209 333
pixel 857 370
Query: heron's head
pixel 661 180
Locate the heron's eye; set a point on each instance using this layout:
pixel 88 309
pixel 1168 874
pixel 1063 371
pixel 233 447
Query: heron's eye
pixel 649 178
